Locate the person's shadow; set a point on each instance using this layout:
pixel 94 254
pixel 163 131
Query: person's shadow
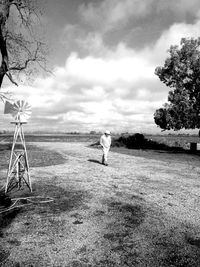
pixel 95 161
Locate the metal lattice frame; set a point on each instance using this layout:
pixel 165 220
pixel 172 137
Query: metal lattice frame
pixel 18 170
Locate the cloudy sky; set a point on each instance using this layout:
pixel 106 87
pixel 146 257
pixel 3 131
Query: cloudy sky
pixel 103 54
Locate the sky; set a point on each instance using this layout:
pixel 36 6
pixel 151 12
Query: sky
pixel 103 55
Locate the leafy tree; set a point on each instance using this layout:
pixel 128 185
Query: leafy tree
pixel 181 72
pixel 20 42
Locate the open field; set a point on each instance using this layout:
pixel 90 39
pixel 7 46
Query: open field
pixel 166 139
pixel 174 140
pixel 54 137
pixel 142 210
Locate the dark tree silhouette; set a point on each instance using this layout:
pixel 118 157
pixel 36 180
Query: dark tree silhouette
pixel 181 72
pixel 20 42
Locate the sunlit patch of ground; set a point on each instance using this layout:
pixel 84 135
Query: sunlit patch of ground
pixel 141 210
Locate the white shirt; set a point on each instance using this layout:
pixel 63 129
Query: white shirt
pixel 105 141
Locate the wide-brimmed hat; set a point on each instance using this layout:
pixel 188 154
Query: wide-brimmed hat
pixel 107 132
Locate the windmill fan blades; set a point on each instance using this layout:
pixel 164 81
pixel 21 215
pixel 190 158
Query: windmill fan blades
pixel 20 110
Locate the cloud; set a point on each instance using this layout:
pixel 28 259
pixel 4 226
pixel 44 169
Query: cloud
pixel 180 8
pixel 107 15
pixel 172 36
pixel 110 13
pixel 110 70
pixel 114 88
pixel 86 93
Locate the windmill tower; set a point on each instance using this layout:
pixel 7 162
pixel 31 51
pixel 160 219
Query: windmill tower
pixel 18 169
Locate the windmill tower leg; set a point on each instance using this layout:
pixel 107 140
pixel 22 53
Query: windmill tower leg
pixel 12 154
pixel 28 182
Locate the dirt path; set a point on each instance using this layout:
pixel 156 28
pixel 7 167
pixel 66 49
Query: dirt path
pixel 135 212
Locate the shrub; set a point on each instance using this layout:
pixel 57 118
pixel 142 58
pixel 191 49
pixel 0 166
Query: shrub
pixel 138 141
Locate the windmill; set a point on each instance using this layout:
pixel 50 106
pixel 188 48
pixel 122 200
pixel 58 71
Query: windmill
pixel 18 169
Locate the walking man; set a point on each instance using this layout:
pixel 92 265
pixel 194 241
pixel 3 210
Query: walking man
pixel 105 142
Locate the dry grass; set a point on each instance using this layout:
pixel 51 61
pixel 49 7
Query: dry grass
pixel 141 210
pixel 174 140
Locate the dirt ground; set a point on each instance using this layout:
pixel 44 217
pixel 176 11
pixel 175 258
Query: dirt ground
pixel 141 210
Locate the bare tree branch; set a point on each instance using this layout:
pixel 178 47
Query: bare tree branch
pixel 8 74
pixel 20 46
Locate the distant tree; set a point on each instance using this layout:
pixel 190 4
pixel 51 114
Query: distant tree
pixel 20 43
pixel 93 132
pixel 181 72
